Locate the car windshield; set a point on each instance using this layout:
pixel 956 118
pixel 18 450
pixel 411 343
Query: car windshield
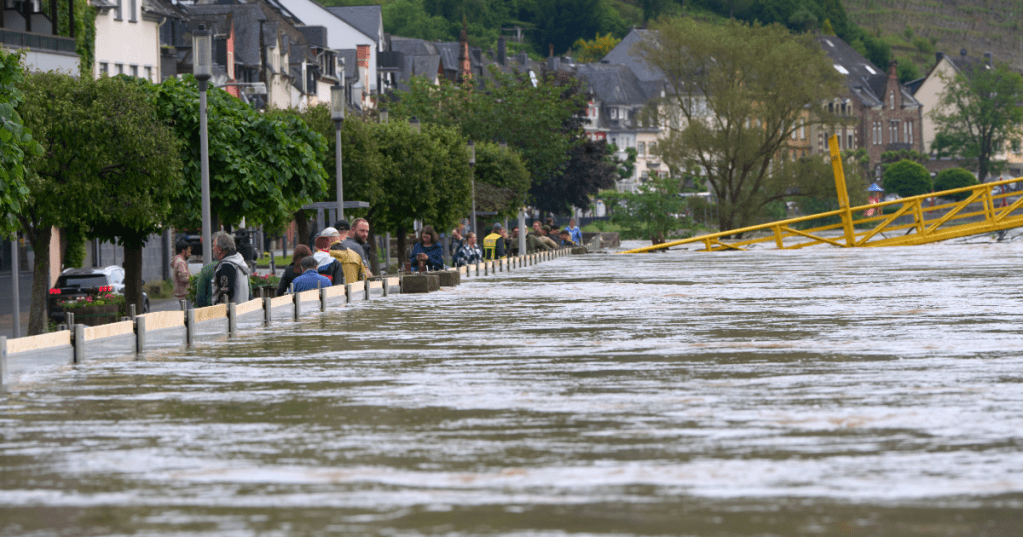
pixel 87 281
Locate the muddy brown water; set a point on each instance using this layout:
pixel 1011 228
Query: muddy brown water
pixel 813 392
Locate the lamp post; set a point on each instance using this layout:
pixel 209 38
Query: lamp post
pixel 414 123
pixel 337 113
pixel 202 68
pixel 383 115
pixel 472 177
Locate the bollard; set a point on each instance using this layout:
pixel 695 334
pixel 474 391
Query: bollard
pixel 3 360
pixel 365 288
pixel 232 320
pixel 79 334
pixel 323 299
pixel 384 279
pixel 140 335
pixel 298 304
pixel 189 327
pixel 69 318
pixel 348 293
pixel 131 310
pixel 184 304
pixel 267 311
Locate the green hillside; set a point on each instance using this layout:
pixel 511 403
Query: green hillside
pixel 916 29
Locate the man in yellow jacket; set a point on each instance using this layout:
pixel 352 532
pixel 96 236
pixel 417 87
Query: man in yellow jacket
pixel 493 244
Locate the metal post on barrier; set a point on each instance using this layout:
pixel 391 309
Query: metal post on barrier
pixel 184 304
pixel 189 327
pixel 232 320
pixel 298 304
pixel 366 289
pixel 384 280
pixel 348 293
pixel 69 318
pixel 79 334
pixel 3 360
pixel 267 310
pixel 140 335
pixel 323 299
pixel 131 310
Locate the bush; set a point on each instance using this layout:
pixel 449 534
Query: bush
pixel 954 178
pixel 907 178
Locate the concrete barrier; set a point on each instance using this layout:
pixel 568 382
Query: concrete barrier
pixel 448 278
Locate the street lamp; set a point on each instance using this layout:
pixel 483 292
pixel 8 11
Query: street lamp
pixel 383 115
pixel 472 177
pixel 337 113
pixel 414 123
pixel 202 68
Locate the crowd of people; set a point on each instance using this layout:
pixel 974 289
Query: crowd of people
pixel 465 249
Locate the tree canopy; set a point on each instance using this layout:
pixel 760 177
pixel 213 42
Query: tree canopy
pixel 952 178
pixel 907 178
pixel 16 142
pixel 978 115
pixel 737 94
pixel 656 212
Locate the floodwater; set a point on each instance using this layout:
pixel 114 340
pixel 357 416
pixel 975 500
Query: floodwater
pixel 814 392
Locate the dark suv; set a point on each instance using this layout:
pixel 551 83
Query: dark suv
pixel 79 282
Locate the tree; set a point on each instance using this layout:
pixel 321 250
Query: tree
pixel 17 143
pixel 951 178
pixel 589 170
pixel 263 167
pixel 502 180
pixel 907 178
pixel 977 115
pixel 737 94
pixel 110 169
pixel 595 49
pixel 656 212
pixel 562 22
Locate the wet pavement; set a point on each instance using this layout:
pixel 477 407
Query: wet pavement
pixel 812 392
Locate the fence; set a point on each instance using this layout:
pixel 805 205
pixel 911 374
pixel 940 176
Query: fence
pixel 175 329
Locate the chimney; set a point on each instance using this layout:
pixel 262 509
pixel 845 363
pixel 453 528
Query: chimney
pixel 893 70
pixel 502 51
pixel 362 60
pixel 464 63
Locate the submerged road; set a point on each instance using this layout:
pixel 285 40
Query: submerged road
pixel 813 392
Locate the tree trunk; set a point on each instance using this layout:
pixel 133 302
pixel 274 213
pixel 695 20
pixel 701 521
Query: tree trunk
pixel 133 273
pixel 403 247
pixel 301 228
pixel 38 319
pixel 374 258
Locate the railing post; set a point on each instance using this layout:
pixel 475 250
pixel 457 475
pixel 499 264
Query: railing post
pixel 348 293
pixel 190 327
pixel 140 335
pixel 131 310
pixel 267 310
pixel 79 333
pixel 365 289
pixel 323 299
pixel 298 304
pixel 3 357
pixel 232 320
pixel 843 192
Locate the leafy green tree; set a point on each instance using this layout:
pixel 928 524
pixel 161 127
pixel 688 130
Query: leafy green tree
pixel 408 18
pixel 589 170
pixel 17 143
pixel 263 167
pixel 979 112
pixel 952 178
pixel 502 180
pixel 562 22
pixel 626 168
pixel 531 119
pixel 907 178
pixel 738 93
pixel 656 212
pixel 110 168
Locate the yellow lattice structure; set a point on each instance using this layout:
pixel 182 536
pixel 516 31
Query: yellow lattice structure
pixel 906 221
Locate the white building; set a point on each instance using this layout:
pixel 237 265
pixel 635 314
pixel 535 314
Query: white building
pixel 128 38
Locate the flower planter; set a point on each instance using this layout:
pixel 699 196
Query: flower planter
pixel 96 315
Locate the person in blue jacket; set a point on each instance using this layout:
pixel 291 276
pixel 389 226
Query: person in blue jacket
pixel 427 250
pixel 575 233
pixel 310 279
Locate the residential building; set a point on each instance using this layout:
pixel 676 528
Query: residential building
pixel 883 114
pixel 128 37
pixel 28 28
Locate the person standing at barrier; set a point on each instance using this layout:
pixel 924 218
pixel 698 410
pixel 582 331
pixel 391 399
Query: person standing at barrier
pixel 357 242
pixel 493 244
pixel 574 231
pixel 231 280
pixel 328 266
pixel 309 279
pixel 293 270
pixel 179 269
pixel 351 264
pixel 566 239
pixel 469 253
pixel 511 244
pixel 458 236
pixel 534 244
pixel 428 251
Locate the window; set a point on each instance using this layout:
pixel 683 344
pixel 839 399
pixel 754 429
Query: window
pixel 641 149
pixel 120 68
pixel 653 148
pixel 893 126
pixel 891 100
pixel 135 71
pixel 104 68
pixel 118 13
pixel 613 113
pixel 849 144
pixel 149 74
pixel 802 132
pixel 134 8
pixel 909 132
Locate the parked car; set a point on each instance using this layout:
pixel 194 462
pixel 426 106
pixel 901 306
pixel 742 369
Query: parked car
pixel 79 282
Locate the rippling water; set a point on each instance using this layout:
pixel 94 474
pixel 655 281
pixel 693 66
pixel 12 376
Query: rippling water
pixel 812 392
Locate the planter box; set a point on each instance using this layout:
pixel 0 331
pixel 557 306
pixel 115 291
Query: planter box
pixel 96 315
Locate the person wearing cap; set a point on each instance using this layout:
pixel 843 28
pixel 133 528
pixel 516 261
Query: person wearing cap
pixel 327 265
pixel 493 244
